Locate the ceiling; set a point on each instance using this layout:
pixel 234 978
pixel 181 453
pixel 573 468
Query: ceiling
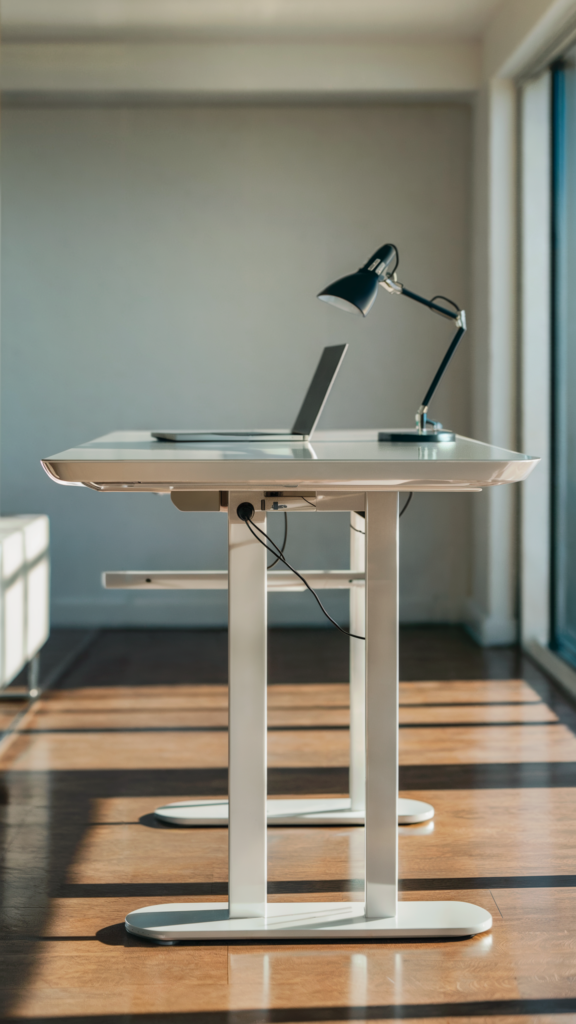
pixel 156 19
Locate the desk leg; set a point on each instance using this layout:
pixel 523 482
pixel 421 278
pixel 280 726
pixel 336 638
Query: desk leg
pixel 327 810
pixel 247 714
pixel 409 811
pixel 357 668
pixel 381 704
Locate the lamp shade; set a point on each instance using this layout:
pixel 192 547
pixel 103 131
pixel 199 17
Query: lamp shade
pixel 356 292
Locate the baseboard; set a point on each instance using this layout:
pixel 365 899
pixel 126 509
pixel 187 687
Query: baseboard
pixel 561 672
pixel 490 631
pixel 208 609
pixel 187 610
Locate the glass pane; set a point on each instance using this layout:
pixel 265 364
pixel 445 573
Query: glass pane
pixel 564 405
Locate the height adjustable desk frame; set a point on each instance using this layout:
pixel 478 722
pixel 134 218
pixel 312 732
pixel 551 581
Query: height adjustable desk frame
pixel 301 811
pixel 338 462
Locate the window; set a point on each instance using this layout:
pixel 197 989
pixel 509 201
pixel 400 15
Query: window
pixel 564 360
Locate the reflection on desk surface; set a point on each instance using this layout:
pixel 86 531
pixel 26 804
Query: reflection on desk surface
pixel 328 445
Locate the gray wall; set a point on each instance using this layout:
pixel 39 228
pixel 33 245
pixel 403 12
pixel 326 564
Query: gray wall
pixel 160 267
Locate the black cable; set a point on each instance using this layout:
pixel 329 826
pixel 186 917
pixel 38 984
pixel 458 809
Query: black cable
pixel 279 552
pixel 252 527
pixel 397 264
pixel 449 301
pixel 272 564
pixel 283 548
pixel 356 530
pixel 410 496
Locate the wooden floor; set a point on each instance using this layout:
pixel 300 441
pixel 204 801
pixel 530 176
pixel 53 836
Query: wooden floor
pixel 141 719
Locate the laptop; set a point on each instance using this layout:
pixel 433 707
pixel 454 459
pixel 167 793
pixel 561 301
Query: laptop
pixel 305 422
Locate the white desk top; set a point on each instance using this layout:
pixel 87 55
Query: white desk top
pixel 335 460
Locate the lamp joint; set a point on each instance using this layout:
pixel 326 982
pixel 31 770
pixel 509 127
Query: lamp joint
pixel 392 285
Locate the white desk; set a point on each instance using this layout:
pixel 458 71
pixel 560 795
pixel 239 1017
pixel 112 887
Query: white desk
pixel 344 470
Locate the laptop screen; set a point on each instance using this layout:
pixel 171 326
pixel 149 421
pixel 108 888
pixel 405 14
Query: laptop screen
pixel 322 381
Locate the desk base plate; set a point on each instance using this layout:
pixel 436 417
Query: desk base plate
pixel 177 922
pixel 330 811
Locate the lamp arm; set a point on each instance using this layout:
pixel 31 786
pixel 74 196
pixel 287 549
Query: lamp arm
pixel 395 288
pixel 459 318
pixel 452 314
pixel 421 414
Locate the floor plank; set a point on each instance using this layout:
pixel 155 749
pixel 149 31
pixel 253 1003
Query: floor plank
pixel 80 847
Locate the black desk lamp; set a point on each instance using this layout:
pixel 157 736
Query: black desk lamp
pixel 356 294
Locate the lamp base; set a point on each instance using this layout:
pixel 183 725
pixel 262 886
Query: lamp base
pixel 414 437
